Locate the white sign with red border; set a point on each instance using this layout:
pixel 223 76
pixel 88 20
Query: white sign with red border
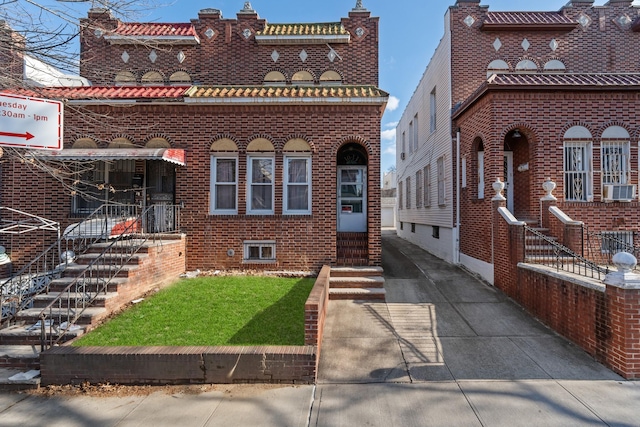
pixel 27 122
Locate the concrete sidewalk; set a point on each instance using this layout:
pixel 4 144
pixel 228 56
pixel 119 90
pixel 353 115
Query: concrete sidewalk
pixel 445 350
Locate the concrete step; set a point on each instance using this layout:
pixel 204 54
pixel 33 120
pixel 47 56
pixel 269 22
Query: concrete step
pixel 89 316
pixel 28 335
pixel 356 282
pixel 59 285
pixel 110 259
pixel 43 300
pixel 377 294
pixel 356 271
pixel 25 357
pixel 12 379
pixel 77 269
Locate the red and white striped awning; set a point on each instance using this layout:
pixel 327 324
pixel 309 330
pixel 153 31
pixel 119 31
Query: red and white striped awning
pixel 171 155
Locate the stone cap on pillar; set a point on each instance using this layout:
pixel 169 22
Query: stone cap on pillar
pixel 624 278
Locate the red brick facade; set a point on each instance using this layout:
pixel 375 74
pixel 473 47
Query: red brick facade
pixel 542 109
pixel 227 57
pixel 535 113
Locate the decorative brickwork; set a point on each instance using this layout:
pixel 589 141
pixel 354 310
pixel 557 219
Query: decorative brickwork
pixel 218 51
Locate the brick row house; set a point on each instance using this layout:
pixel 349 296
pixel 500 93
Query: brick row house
pixel 266 135
pixel 511 101
pixel 534 96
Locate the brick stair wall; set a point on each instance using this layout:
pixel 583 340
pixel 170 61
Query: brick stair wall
pixel 156 266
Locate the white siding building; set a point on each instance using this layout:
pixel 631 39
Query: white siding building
pixel 426 197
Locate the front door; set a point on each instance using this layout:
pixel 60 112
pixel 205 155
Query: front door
pixel 508 179
pixel 352 198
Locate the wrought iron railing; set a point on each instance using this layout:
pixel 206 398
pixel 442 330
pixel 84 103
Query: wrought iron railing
pixel 108 222
pixel 544 250
pixel 19 291
pixel 61 315
pixel 603 245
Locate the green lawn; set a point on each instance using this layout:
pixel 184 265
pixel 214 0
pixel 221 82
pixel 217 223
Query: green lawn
pixel 209 311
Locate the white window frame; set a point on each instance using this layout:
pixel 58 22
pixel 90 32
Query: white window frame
pixel 287 184
pixel 586 148
pixel 214 185
pixel 251 184
pixel 623 176
pixel 416 133
pixel 427 186
pixel 408 192
pixel 441 182
pixel 419 188
pixel 433 105
pixel 261 245
pixel 411 137
pixel 480 174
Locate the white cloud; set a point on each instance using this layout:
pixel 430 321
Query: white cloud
pixel 390 150
pixel 388 135
pixel 393 103
pixel 391 124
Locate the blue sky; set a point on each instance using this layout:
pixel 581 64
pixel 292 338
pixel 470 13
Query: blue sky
pixel 410 30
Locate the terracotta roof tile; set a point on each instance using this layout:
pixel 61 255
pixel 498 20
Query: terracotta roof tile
pixel 112 92
pixel 323 29
pixel 509 20
pixel 594 80
pixel 135 29
pixel 285 92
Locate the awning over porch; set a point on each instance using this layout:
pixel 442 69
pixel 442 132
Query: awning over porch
pixel 171 155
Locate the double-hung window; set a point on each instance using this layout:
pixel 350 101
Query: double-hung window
pixel 441 181
pixel 297 185
pixel 224 185
pixel 419 191
pixel 260 185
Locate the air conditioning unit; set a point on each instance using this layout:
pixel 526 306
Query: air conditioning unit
pixel 401 156
pixel 619 193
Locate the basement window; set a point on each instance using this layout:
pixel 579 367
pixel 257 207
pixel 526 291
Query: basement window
pixel 259 251
pixel 435 232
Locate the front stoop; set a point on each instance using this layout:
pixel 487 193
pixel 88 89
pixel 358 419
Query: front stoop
pixel 357 283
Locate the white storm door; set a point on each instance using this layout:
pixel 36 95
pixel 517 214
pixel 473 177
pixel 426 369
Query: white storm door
pixel 352 198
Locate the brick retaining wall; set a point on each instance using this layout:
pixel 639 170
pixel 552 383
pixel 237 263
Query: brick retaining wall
pixel 196 365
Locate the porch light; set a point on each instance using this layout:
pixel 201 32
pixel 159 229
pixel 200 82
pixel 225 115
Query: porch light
pixel 516 133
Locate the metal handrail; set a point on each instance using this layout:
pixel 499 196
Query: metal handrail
pixel 546 251
pixel 19 291
pixel 61 315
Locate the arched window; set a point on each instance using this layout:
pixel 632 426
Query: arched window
pixel 480 168
pixel 85 143
pixel 554 66
pixel 616 164
pixel 577 164
pixel 275 77
pixel 224 177
pixel 180 78
pixel 157 143
pixel 526 66
pixel 497 66
pixel 125 78
pixel 121 143
pixel 152 78
pixel 330 77
pixel 302 77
